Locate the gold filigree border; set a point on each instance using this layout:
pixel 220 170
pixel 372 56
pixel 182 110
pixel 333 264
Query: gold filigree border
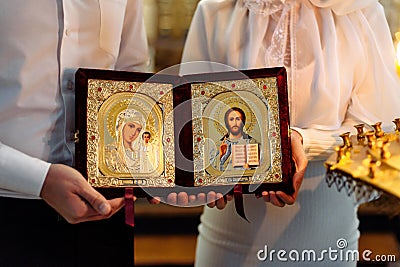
pixel 98 92
pixel 266 89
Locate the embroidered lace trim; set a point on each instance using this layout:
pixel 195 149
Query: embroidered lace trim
pixel 265 7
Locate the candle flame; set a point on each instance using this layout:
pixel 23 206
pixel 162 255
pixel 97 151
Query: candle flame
pixel 398 54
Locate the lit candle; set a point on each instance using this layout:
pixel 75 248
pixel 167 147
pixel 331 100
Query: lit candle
pixel 397 35
pixel 398 58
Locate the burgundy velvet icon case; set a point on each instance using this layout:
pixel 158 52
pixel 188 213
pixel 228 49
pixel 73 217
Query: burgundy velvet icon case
pixel 163 133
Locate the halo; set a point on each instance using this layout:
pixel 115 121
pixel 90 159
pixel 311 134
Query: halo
pixel 120 102
pixel 221 103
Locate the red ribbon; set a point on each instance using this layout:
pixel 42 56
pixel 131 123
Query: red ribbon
pixel 129 207
pixel 238 197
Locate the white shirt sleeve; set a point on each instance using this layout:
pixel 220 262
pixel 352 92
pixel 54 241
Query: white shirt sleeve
pixel 20 172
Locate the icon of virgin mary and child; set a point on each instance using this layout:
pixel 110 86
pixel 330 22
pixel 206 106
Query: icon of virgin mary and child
pixel 124 155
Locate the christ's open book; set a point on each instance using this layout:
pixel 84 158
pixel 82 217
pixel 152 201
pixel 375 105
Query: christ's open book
pixel 245 155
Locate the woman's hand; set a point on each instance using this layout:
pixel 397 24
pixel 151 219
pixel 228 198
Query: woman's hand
pixel 183 199
pixel 211 199
pixel 280 198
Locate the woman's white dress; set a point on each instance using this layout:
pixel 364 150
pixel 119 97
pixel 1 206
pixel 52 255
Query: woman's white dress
pixel 339 56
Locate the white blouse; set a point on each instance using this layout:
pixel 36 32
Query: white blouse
pixel 338 53
pixel 42 44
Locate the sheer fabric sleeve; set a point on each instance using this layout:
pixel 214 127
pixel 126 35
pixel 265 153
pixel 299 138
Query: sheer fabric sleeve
pixel 339 56
pixel 375 88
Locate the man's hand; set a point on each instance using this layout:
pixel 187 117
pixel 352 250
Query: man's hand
pixel 67 191
pixel 280 198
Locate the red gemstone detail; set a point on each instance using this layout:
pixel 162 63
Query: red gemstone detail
pixel 93 137
pixel 198 139
pixel 93 181
pixel 200 180
pixel 203 93
pixel 131 86
pixel 168 139
pixel 169 180
pixel 276 175
pixel 99 89
pixel 265 87
pixel 274 134
pixel 161 92
pixel 233 85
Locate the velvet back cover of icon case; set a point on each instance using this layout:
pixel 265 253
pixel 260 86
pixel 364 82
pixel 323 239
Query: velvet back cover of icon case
pixel 161 133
